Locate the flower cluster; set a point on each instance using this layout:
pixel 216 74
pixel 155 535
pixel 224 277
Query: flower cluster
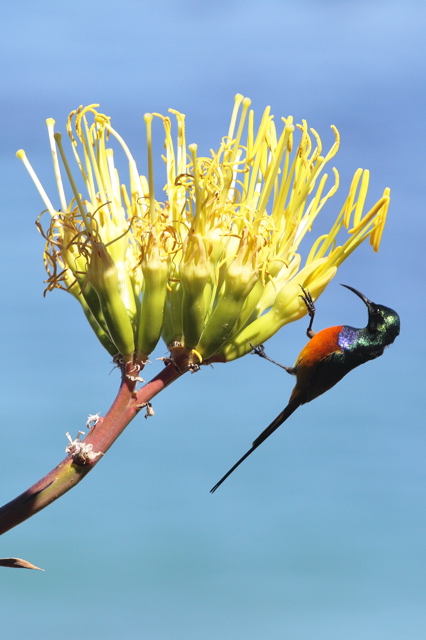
pixel 216 266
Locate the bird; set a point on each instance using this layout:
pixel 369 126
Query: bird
pixel 328 356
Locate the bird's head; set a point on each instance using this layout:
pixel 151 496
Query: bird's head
pixel 381 319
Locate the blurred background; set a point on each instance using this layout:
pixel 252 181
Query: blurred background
pixel 320 535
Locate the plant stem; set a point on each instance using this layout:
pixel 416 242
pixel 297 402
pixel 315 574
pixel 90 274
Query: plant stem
pixel 68 473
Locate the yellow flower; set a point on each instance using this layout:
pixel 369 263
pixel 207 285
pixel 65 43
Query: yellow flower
pixel 217 265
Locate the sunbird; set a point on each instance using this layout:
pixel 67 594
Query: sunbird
pixel 328 356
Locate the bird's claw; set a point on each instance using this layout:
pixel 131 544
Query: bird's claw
pixel 310 306
pixel 307 299
pixel 258 351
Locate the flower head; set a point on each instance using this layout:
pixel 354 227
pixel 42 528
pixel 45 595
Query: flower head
pixel 214 267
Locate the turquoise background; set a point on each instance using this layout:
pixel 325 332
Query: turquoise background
pixel 320 535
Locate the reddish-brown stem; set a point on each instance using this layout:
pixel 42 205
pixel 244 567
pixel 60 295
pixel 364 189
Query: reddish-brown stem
pixel 68 473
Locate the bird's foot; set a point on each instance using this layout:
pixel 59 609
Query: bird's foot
pixel 260 351
pixel 310 306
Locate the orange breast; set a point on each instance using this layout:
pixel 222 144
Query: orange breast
pixel 313 375
pixel 320 346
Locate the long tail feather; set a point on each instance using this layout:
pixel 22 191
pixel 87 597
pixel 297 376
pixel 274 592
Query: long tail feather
pixel 282 417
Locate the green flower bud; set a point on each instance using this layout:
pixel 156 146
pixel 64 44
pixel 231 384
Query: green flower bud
pixel 240 279
pixel 154 293
pixel 104 277
pixel 195 278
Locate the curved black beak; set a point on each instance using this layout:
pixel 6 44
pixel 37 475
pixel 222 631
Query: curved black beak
pixel 360 295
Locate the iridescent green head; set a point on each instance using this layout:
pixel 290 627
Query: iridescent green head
pixel 381 320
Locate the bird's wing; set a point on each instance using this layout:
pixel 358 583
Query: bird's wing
pixel 325 374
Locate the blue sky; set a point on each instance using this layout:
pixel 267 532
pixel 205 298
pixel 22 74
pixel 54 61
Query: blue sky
pixel 321 533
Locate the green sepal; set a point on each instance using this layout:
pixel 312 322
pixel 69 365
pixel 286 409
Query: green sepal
pixel 195 278
pixel 240 279
pixel 104 277
pixel 172 324
pixel 154 294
